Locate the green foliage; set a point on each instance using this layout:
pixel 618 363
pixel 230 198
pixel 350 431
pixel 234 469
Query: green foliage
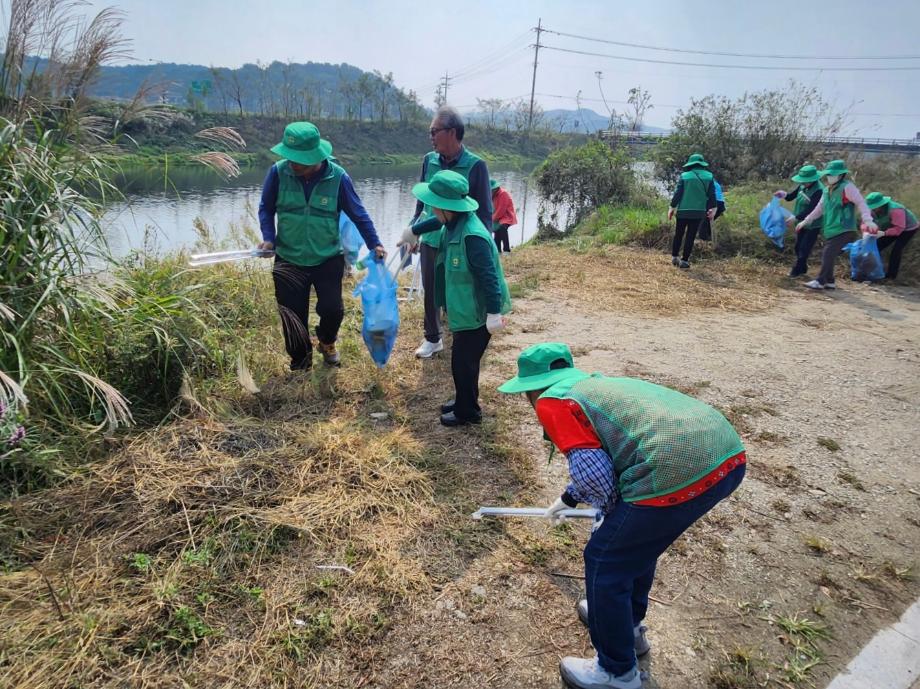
pixel 186 629
pixel 755 137
pixel 309 635
pixel 140 562
pixel 575 181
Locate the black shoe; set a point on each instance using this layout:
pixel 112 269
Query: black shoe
pixel 450 419
pixel 798 273
pixel 448 407
pixel 304 365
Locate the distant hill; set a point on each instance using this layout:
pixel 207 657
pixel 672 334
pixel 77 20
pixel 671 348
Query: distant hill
pixel 311 90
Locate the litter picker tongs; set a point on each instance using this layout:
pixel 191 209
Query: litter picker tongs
pixel 198 260
pixel 584 513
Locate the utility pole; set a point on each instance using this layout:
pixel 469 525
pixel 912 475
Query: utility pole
pixel 533 84
pixel 446 82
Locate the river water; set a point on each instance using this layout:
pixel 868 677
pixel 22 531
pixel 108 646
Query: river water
pixel 160 209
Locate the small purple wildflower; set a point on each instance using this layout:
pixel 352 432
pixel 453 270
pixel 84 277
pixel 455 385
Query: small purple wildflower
pixel 17 436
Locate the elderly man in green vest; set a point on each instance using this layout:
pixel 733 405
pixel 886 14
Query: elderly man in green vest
pixel 469 282
pixel 652 461
pixel 694 201
pixel 837 207
pixel 307 190
pixel 896 227
pixel 449 153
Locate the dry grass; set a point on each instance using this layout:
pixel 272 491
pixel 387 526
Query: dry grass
pixel 612 278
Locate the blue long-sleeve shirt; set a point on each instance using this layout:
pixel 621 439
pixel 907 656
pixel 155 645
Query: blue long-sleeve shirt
pixel 349 202
pixel 593 479
pixel 480 189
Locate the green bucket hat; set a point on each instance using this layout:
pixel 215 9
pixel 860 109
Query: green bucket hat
pixel 876 199
pixel 534 372
pixel 301 144
pixel 493 184
pixel 696 159
pixel 448 191
pixel 835 167
pixel 806 175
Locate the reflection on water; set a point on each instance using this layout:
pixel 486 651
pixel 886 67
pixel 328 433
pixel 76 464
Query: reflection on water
pixel 159 212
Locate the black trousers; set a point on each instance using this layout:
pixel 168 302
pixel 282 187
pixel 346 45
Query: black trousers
pixel 804 243
pixel 428 256
pixel 897 245
pixel 501 238
pixel 292 292
pixel 690 226
pixel 465 356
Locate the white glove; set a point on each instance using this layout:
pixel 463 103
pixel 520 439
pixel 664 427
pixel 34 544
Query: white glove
pixel 494 322
pixel 552 512
pixel 800 226
pixel 870 228
pixel 409 238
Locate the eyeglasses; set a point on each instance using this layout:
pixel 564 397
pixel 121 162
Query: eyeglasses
pixel 435 130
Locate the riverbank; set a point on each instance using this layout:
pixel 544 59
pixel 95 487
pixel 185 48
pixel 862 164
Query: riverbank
pixel 317 531
pixel 172 140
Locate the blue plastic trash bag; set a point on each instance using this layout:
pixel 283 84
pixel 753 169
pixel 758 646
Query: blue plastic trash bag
pixel 773 221
pixel 381 312
pixel 351 239
pixel 865 260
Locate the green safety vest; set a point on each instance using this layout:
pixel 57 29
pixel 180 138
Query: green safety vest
pixel 455 287
pixel 696 190
pixel 463 167
pixel 308 232
pixel 803 198
pixel 659 439
pixel 884 221
pixel 839 217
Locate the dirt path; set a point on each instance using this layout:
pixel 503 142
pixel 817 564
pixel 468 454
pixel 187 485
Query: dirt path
pixel 823 534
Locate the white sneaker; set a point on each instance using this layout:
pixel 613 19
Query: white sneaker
pixel 586 673
pixel 830 285
pixel 814 284
pixel 428 349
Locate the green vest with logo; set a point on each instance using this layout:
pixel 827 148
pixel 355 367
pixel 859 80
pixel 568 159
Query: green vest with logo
pixel 696 190
pixel 884 221
pixel 839 217
pixel 308 231
pixel 463 167
pixel 659 439
pixel 455 287
pixel 803 199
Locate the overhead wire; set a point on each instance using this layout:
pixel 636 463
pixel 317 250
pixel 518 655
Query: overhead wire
pixel 732 66
pixel 729 54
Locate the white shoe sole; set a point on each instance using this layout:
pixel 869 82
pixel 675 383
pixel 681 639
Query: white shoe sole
pixel 419 355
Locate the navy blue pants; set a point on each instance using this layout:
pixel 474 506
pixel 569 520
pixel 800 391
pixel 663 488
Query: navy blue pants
pixel 620 561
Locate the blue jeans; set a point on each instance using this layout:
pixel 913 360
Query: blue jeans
pixel 620 561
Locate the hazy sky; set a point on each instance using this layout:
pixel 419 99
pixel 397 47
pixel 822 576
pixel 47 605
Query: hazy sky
pixel 486 43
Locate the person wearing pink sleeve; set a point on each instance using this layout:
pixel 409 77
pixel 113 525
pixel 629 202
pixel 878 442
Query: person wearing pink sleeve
pixel 838 205
pixel 897 225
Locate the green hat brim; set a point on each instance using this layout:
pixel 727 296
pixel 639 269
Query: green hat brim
pixel 311 157
pixel 825 173
pixel 873 206
pixel 701 163
pixel 423 193
pixel 540 381
pixel 805 180
pixel 493 184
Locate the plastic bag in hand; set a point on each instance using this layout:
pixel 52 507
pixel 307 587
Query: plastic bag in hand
pixel 381 311
pixel 865 260
pixel 351 239
pixel 773 221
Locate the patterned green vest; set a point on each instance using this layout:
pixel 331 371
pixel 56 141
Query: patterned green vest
pixel 839 217
pixel 455 288
pixel 463 167
pixel 659 439
pixel 308 232
pixel 696 190
pixel 803 198
pixel 884 221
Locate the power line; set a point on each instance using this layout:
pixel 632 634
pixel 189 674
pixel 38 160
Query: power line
pixel 710 65
pixel 725 54
pixel 598 100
